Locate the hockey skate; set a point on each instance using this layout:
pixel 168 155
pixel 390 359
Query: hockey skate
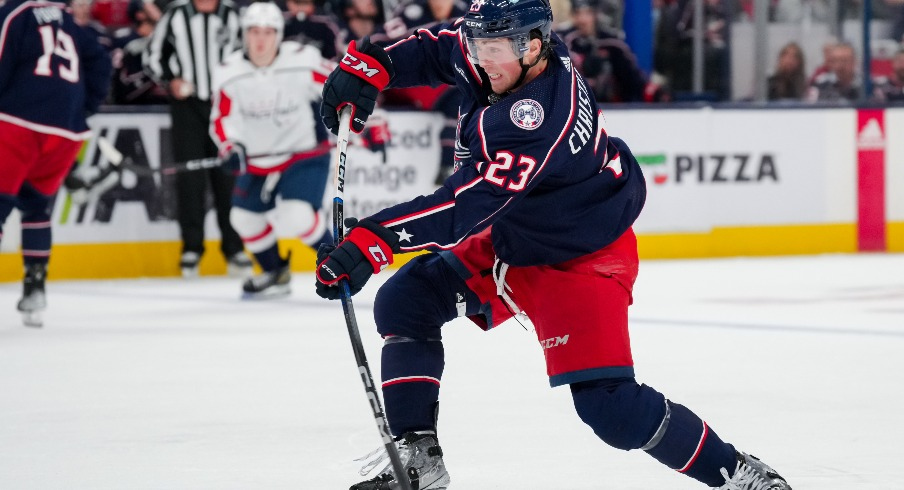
pixel 422 459
pixel 269 284
pixel 239 265
pixel 33 301
pixel 752 474
pixel 188 264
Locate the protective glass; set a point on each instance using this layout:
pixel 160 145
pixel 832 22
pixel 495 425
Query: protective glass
pixel 495 49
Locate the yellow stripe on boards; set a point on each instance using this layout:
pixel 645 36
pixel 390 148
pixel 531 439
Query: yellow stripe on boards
pixel 152 259
pixel 894 235
pixel 751 241
pixel 161 259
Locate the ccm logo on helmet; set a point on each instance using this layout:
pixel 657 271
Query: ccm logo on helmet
pixel 358 65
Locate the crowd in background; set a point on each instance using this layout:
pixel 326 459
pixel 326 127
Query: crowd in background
pixel 590 28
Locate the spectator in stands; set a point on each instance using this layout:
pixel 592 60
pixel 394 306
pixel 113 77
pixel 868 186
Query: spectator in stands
pixel 131 84
pixel 841 82
pixel 304 25
pixel 823 67
pixel 801 11
pixel 897 18
pixel 418 14
pixel 674 41
pixel 370 8
pixel 81 13
pixel 789 81
pixel 154 9
pixel 602 57
pixel 560 11
pixel 359 18
pixel 891 88
pixel 113 14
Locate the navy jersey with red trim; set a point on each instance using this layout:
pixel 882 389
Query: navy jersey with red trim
pixel 537 165
pixel 52 72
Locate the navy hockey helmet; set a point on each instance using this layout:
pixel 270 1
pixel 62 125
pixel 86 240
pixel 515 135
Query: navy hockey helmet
pixel 511 19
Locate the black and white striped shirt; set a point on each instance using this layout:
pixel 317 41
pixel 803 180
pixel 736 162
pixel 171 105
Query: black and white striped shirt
pixel 188 44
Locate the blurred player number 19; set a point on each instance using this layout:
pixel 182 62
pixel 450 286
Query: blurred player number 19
pixel 61 44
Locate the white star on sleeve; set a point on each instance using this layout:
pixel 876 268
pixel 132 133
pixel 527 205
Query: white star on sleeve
pixel 404 236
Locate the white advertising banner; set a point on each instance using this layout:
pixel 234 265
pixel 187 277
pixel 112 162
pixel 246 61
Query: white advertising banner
pixel 140 208
pixel 894 165
pixel 707 168
pixel 410 169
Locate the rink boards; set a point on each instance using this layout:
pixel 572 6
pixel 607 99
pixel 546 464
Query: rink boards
pixel 722 182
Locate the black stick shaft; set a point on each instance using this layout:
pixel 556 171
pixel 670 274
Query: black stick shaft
pixel 357 347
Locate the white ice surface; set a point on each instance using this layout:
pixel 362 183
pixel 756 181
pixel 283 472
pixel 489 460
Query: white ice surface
pixel 172 384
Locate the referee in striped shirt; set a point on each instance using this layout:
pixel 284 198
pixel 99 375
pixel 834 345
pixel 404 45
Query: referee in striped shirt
pixel 192 38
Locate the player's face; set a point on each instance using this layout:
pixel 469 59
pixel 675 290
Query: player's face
pixel 261 43
pixel 498 59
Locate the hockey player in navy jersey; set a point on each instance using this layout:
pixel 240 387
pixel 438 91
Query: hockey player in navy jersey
pixel 536 220
pixel 53 74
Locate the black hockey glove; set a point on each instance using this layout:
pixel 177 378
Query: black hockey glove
pixel 367 250
pixel 236 161
pixel 364 71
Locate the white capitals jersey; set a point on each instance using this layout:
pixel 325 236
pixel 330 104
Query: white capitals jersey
pixel 274 110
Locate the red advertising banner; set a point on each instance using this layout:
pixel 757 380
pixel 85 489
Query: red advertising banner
pixel 871 180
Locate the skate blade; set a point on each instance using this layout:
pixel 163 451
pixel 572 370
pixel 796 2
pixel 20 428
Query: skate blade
pixel 189 272
pixel 33 319
pixel 275 292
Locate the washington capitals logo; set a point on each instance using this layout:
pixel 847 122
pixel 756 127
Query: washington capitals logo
pixel 527 114
pixel 476 4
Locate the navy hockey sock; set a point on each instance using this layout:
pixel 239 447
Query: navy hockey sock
pixel 410 309
pixel 688 445
pixel 621 412
pixel 36 232
pixel 411 371
pixel 628 416
pixel 269 259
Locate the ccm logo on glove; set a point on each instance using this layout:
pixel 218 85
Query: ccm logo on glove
pixel 362 65
pixel 378 257
pixel 367 250
pixel 365 70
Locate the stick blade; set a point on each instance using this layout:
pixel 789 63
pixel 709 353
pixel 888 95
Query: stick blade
pixel 109 151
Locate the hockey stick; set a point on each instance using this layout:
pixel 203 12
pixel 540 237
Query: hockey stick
pixel 346 297
pixel 125 163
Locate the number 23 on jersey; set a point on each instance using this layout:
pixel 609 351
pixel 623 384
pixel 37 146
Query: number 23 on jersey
pixel 498 170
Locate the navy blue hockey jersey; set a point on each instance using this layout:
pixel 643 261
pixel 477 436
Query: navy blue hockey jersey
pixel 52 72
pixel 537 165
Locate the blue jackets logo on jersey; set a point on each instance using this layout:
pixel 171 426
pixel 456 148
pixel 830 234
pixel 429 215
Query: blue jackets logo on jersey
pixel 527 114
